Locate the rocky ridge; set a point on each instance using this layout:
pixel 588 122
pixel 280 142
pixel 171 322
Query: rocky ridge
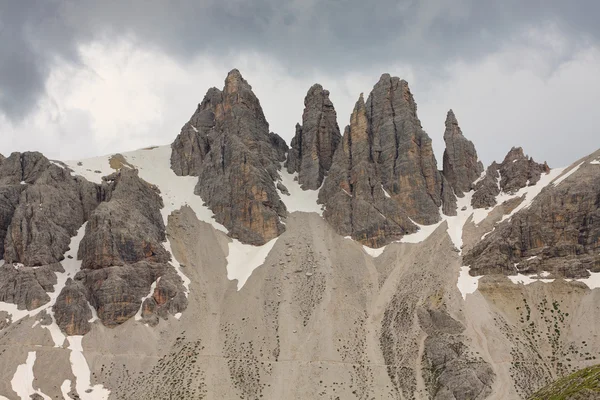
pixel 515 172
pixel 558 233
pixel 321 317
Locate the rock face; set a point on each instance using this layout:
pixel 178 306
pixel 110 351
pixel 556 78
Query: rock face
pixel 122 257
pixel 316 140
pixel 461 164
pixel 128 227
pixel 384 173
pixel 515 172
pixel 41 207
pixel 227 144
pixel 558 233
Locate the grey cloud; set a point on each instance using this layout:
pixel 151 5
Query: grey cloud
pixel 331 35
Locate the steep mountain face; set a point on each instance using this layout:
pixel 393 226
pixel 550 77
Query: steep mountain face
pixel 515 172
pixel 42 207
pixel 313 146
pixel 558 233
pixel 461 164
pixel 384 175
pixel 120 277
pixel 227 144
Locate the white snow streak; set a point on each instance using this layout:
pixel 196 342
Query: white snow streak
pixel 567 174
pixel 22 381
pixel 597 162
pixel 81 370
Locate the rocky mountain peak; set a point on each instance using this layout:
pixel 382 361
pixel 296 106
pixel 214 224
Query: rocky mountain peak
pixel 461 164
pixel 228 145
pixel 515 172
pixel 315 141
pixel 384 173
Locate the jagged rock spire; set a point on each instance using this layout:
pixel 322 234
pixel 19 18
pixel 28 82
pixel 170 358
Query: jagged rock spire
pixel 384 173
pixel 461 164
pixel 314 144
pixel 227 144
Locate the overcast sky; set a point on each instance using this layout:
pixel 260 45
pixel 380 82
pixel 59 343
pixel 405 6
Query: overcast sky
pixel 80 78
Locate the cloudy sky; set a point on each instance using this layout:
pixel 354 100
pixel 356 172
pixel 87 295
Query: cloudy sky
pixel 80 78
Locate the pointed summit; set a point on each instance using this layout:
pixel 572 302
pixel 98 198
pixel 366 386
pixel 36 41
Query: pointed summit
pixel 461 164
pixel 316 139
pixel 227 144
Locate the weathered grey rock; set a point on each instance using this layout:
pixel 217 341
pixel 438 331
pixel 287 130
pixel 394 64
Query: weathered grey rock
pixel 355 200
pixel 557 233
pixel 72 310
pixel 384 173
pixel 487 188
pixel 451 371
pixel 116 292
pixel 515 172
pixel 315 141
pixel 461 164
pixel 122 256
pixel 294 159
pixel 403 151
pixel 27 287
pixel 128 227
pixel 23 167
pixel 237 161
pixel 52 205
pixel 9 199
pixel 518 171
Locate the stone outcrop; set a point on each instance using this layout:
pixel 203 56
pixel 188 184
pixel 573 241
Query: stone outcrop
pixel 559 232
pixel 122 256
pixel 128 227
pixel 227 144
pixel 315 141
pixel 384 174
pixel 27 287
pixel 461 164
pixel 42 207
pixel 515 172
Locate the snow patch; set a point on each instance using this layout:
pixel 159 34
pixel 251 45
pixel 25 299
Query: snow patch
pixel 385 193
pixel 65 388
pixel 138 315
pixel 186 281
pixel 529 279
pixel 22 381
pixel 81 371
pixel 372 252
pixel 423 233
pixel 243 259
pixel 466 283
pixel 178 315
pixel 567 174
pixel 298 199
pixel 593 281
pixel 597 162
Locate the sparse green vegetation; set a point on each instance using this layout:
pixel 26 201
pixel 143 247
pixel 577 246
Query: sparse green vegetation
pixel 583 384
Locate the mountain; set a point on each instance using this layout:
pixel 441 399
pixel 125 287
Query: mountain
pixel 228 265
